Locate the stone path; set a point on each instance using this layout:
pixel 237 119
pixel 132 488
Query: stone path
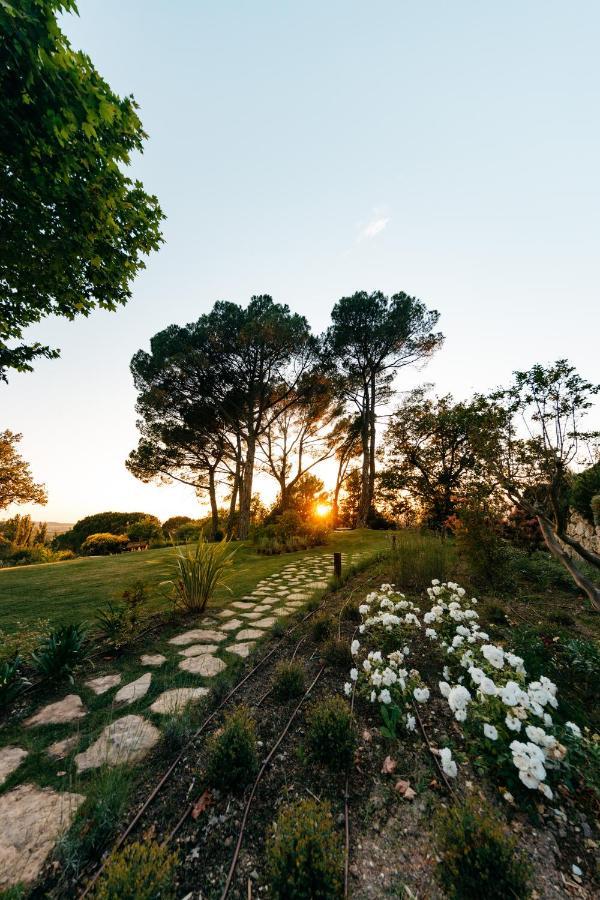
pixel 31 818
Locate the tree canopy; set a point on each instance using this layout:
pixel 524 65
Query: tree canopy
pixel 74 226
pixel 16 481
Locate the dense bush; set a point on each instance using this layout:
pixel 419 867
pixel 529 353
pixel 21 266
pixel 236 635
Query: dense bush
pixel 103 544
pixel 231 759
pixel 305 855
pixel 146 529
pixel 170 526
pixel 288 681
pixel 99 523
pixel 138 872
pixel 61 652
pixel 586 485
pixel 488 554
pixel 288 533
pixel 331 734
pixel 478 858
pixel 541 569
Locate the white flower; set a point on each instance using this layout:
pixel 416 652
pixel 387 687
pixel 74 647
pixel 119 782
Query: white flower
pixel 512 723
pixel 490 731
pixel 487 686
pixel 511 694
pixel 435 581
pixel 385 696
pixel 529 760
pixel 494 655
pixel 373 696
pixel 421 695
pixel 431 633
pixel 449 767
pixel 546 791
pixel 446 673
pixel 444 689
pixel 354 647
pixel 411 722
pixel 353 674
pixel 575 729
pixel 347 689
pixel 458 699
pixel 367 665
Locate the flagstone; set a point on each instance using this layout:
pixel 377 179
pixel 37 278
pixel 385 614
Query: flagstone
pixel 10 760
pixel 225 613
pixel 152 659
pixel 197 634
pixel 203 665
pixel 103 683
pixel 198 650
pixel 66 710
pixel 60 749
pixel 31 820
pixel 264 607
pixel 127 740
pixel 135 690
pixel 174 701
pixel 231 626
pixel 265 623
pixel 240 604
pixel 251 616
pixel 249 634
pixel 241 649
pixel 295 604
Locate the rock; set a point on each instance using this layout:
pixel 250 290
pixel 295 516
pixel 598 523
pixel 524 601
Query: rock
pixel 231 626
pixel 251 616
pixel 241 605
pixel 135 690
pixel 126 740
pixel 203 665
pixel 31 820
pixel 198 650
pixel 241 649
pixel 265 623
pixel 152 659
pixel 263 608
pixel 103 683
pixel 174 701
pixel 249 634
pixel 60 749
pixel 197 634
pixel 10 759
pixel 66 710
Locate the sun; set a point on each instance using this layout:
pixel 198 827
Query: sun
pixel 322 510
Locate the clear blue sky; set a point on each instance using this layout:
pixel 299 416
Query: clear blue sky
pixel 308 150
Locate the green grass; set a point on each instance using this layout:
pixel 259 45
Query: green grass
pixel 74 590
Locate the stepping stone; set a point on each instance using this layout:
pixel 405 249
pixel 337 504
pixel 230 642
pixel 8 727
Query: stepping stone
pixel 264 607
pixel 285 611
pixel 231 626
pixel 198 650
pixel 133 691
pixel 152 659
pixel 31 821
pixel 226 613
pixel 198 634
pixel 251 616
pixel 249 634
pixel 126 740
pixel 295 604
pixel 103 683
pixel 10 759
pixel 305 596
pixel 174 701
pixel 208 666
pixel 66 710
pixel 60 749
pixel 241 605
pixel 241 649
pixel 265 623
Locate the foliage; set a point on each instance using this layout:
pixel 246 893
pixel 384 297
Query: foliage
pixel 74 226
pixel 541 570
pixel 16 482
pixel 12 682
pixel 176 731
pixel 61 652
pixel 98 523
pixel 419 556
pixel 146 529
pixel 479 857
pixel 22 640
pixel 199 571
pixel 140 871
pixel 479 537
pixel 104 544
pixel 121 624
pixel 170 526
pixel 584 487
pixel 331 734
pixel 337 653
pixel 288 681
pixel 321 628
pixel 305 855
pixel 350 612
pixel 232 760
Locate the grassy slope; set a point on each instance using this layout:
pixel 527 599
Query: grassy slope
pixel 74 590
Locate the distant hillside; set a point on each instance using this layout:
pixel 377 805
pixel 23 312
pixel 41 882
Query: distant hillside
pixel 55 528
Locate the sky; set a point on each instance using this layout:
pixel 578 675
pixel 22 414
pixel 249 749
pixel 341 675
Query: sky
pixel 310 150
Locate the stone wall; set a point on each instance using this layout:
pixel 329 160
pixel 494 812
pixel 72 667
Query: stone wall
pixel 582 531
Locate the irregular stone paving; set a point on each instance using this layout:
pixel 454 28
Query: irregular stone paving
pixel 208 666
pixel 61 749
pixel 135 690
pixel 198 650
pixel 174 701
pixel 249 634
pixel 152 659
pixel 103 683
pixel 31 820
pixel 66 710
pixel 197 634
pixel 10 759
pixel 126 740
pixel 241 649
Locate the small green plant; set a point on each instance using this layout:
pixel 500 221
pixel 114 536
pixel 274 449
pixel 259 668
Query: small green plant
pixel 199 571
pixel 391 717
pixel 337 653
pixel 304 854
pixel 176 732
pixel 331 734
pixel 61 652
pixel 16 892
pixel 12 683
pixel 496 614
pixel 313 604
pixel 350 613
pixel 120 625
pixel 288 681
pixel 479 858
pixel 321 628
pixel 232 759
pixel 140 871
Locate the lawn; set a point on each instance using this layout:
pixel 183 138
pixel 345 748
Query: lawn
pixel 74 590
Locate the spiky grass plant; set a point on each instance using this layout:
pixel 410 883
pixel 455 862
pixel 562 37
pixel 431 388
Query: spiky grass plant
pixel 199 571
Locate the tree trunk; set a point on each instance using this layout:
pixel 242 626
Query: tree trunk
pixel 363 509
pixel 553 544
pixel 372 442
pixel 214 509
pixel 246 479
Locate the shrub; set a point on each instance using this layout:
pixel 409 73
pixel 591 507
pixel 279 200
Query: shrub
pixel 417 557
pixel 289 680
pixel 542 570
pixel 60 652
pixel 104 544
pixel 99 523
pixel 321 628
pixel 170 526
pixel 337 653
pixel 479 859
pixel 350 613
pixel 176 732
pixel 12 683
pixel 120 625
pixel 64 555
pixel 331 734
pixel 489 555
pixel 138 872
pixel 198 573
pixel 145 529
pixel 232 759
pixel 586 485
pixel 304 854
pixel 496 614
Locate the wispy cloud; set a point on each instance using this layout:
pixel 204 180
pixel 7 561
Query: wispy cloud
pixel 373 228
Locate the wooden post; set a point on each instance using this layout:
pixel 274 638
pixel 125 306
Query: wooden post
pixel 337 565
pixel 393 542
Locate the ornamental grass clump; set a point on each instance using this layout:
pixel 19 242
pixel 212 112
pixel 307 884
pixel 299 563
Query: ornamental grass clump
pixel 321 629
pixel 331 734
pixel 199 571
pixel 305 854
pixel 289 681
pixel 337 653
pixel 138 872
pixel 232 758
pixel 478 857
